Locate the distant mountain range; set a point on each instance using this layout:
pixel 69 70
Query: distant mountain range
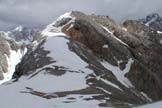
pixel 154 21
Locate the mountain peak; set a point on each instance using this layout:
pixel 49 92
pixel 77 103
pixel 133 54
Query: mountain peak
pixel 155 15
pixel 55 27
pixel 22 33
pixel 18 28
pixel 154 21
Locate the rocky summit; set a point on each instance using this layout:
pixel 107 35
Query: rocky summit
pixel 87 61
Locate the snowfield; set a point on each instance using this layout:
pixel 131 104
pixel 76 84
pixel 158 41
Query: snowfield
pixel 47 83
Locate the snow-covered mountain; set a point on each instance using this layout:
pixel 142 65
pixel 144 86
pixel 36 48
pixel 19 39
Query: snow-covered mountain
pixel 154 21
pixel 88 61
pixel 23 34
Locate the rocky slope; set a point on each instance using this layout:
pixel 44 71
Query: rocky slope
pixel 89 61
pixel 10 55
pixel 14 45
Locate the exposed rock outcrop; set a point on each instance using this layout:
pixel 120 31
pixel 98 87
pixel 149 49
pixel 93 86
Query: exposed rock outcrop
pixel 139 42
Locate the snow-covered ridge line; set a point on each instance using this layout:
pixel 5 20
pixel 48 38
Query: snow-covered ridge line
pixel 51 30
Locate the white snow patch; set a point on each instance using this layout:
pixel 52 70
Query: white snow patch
pixel 139 53
pixel 125 29
pixel 80 102
pixel 106 29
pixel 48 32
pixel 105 46
pixel 112 34
pixel 145 95
pixel 120 40
pixel 110 83
pixel 64 57
pixel 119 61
pixel 104 90
pixel 120 73
pixel 67 82
pixel 159 32
pixel 13 98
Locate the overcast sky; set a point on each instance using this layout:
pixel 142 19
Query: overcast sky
pixel 38 13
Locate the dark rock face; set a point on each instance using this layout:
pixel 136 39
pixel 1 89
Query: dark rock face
pixel 143 45
pixel 128 96
pixel 148 55
pixel 92 34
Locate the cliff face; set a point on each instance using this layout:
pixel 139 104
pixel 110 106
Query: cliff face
pixel 92 61
pixel 136 41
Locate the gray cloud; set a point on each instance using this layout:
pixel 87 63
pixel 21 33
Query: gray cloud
pixel 35 13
